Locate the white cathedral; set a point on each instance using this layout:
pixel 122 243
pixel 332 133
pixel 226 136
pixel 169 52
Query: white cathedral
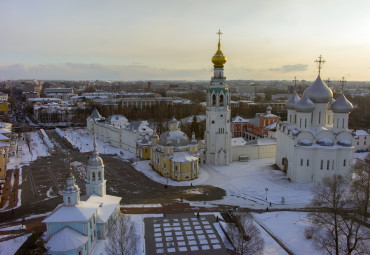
pixel 75 225
pixel 315 141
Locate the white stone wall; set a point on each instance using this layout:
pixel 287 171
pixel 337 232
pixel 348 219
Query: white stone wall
pixel 253 151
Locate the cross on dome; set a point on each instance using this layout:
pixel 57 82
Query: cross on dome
pixel 219 33
pixel 320 61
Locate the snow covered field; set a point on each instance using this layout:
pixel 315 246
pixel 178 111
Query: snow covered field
pixel 80 139
pixel 244 183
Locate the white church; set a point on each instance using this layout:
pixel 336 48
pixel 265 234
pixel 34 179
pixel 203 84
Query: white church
pixel 75 225
pixel 315 141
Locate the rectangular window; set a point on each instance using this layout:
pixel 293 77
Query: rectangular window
pixel 344 162
pixel 328 165
pixel 301 162
pixel 322 164
pixel 308 162
pixel 332 165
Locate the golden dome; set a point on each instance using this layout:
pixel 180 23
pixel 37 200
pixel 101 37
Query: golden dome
pixel 219 59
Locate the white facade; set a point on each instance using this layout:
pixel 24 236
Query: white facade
pixel 315 142
pixel 362 141
pixel 117 131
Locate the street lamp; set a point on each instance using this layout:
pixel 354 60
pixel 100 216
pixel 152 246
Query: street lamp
pixel 266 192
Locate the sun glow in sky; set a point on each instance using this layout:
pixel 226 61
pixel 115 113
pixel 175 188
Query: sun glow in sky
pixel 164 39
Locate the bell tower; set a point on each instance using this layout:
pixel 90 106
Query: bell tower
pixel 218 133
pixel 95 183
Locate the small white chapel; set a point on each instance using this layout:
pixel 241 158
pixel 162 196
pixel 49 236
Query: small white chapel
pixel 75 225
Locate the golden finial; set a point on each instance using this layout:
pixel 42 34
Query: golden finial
pixel 219 59
pixel 69 163
pixel 219 33
pixel 320 62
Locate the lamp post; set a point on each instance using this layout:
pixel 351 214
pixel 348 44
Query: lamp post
pixel 266 192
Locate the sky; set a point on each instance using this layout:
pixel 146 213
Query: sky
pixel 175 40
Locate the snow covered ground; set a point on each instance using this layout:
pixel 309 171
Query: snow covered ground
pixel 11 246
pixel 245 183
pixel 138 221
pixel 288 227
pixel 80 139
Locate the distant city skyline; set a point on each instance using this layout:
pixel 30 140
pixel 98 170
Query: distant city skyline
pixel 175 40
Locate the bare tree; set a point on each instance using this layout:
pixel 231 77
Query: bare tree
pixel 121 237
pixel 360 187
pixel 336 230
pixel 245 235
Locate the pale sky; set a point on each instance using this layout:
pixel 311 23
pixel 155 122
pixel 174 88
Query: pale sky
pixel 176 39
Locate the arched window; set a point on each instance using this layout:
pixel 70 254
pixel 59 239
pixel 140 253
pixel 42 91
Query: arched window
pixel 93 177
pixel 99 175
pixel 213 99
pixel 221 100
pixel 69 200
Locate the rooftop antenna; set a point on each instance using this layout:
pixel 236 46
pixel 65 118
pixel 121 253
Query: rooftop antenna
pixel 328 81
pixel 342 84
pixel 295 83
pixel 320 62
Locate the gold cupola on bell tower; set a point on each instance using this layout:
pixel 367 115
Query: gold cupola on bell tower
pixel 219 59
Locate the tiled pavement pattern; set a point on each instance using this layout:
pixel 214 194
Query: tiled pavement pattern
pixel 182 234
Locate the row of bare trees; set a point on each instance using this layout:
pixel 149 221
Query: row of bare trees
pixel 340 226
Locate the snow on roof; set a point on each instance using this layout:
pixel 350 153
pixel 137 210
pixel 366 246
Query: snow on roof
pixel 4 131
pixel 271 126
pixel 239 119
pixel 107 205
pixel 81 212
pixel 4 138
pixel 66 239
pixel 237 141
pixel 139 126
pixel 183 157
pixel 361 132
pixel 266 141
pixel 269 115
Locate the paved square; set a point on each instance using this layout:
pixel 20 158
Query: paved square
pixel 182 234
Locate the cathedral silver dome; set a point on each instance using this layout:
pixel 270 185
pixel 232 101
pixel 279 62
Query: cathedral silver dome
pixel 319 92
pixel 304 104
pixel 177 138
pixel 342 105
pixel 292 101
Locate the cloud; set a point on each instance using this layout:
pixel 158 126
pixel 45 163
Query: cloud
pixel 79 71
pixel 290 68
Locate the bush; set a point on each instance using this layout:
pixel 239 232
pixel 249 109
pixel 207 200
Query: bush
pixel 308 232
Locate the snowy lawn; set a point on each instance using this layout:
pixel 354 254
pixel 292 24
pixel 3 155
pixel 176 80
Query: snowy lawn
pixel 80 139
pixel 245 183
pixel 11 246
pixel 138 221
pixel 289 228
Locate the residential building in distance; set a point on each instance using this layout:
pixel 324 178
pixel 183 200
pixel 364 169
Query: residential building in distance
pixel 362 141
pixel 258 127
